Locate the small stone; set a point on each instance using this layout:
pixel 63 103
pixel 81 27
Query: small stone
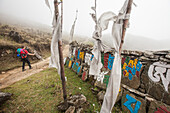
pixel 77 100
pixel 167 56
pixel 71 109
pixel 100 95
pixel 4 97
pixel 80 110
pixel 3 72
pixel 161 53
pixel 164 59
pixel 142 90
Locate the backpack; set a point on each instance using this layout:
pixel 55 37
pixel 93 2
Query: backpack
pixel 21 53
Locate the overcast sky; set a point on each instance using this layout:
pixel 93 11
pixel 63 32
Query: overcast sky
pixel 150 18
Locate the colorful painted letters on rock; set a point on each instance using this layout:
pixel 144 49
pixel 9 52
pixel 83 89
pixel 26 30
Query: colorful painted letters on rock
pixel 81 55
pixel 162 109
pixel 101 76
pixel 110 61
pixel 106 56
pixel 106 79
pixel 84 75
pixel 75 66
pixel 131 100
pixel 160 70
pixel 70 64
pixel 131 67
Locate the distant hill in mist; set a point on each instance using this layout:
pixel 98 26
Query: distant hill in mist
pixel 133 42
pixel 18 22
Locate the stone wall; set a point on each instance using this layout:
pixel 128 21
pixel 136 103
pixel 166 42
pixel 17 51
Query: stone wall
pixel 145 77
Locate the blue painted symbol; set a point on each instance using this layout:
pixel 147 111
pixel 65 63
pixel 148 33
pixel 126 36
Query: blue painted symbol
pixel 133 71
pixel 138 66
pixel 92 57
pixel 73 65
pixel 110 61
pixel 78 55
pixel 131 100
pixel 78 70
pixel 130 76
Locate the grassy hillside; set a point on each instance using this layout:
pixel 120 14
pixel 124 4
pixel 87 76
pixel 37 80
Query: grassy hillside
pixel 43 91
pixel 13 37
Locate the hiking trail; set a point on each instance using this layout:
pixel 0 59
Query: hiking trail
pixel 12 76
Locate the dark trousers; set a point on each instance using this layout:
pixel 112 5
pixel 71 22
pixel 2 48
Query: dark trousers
pixel 27 61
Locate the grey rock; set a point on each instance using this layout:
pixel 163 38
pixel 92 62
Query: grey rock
pixel 148 54
pixel 164 59
pixel 77 100
pixel 144 59
pixel 80 110
pixel 71 109
pixel 166 98
pixel 155 105
pixel 167 56
pixel 100 95
pixel 156 91
pixel 4 97
pixel 161 53
pixel 142 107
pixel 134 83
pixel 142 90
pixel 100 85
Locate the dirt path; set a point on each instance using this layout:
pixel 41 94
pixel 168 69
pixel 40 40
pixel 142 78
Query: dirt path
pixel 15 75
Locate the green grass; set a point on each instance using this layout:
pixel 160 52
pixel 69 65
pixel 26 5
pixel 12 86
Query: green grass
pixel 43 91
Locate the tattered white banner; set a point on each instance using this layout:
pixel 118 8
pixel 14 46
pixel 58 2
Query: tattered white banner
pixel 56 36
pixel 115 76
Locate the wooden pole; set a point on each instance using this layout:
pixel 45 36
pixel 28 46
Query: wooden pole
pixel 125 23
pixel 61 53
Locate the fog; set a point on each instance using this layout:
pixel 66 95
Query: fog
pixel 149 19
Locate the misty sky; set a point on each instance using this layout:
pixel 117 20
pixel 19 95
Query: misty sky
pixel 150 18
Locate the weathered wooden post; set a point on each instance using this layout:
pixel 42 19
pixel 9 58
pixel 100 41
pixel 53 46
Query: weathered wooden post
pixel 125 24
pixel 56 3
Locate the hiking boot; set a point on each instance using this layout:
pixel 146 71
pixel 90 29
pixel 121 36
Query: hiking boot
pixel 30 68
pixel 23 70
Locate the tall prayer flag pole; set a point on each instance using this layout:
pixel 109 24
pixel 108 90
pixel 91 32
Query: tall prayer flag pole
pixel 60 52
pixel 125 24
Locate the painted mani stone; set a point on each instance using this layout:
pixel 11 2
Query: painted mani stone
pixel 75 66
pixel 67 62
pixel 76 53
pixel 79 70
pixel 106 79
pixel 102 58
pixel 110 61
pixel 129 102
pixel 81 56
pixel 84 75
pixel 131 67
pixel 70 64
pixel 106 56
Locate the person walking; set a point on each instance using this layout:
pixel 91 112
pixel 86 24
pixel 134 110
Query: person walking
pixel 24 58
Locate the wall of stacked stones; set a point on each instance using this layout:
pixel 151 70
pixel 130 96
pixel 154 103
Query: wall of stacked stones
pixel 145 77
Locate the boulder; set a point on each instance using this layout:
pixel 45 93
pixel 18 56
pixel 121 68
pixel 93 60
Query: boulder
pixel 159 107
pixel 4 97
pixel 132 104
pixel 71 109
pixel 100 85
pixel 167 56
pixel 164 59
pixel 77 100
pixel 100 95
